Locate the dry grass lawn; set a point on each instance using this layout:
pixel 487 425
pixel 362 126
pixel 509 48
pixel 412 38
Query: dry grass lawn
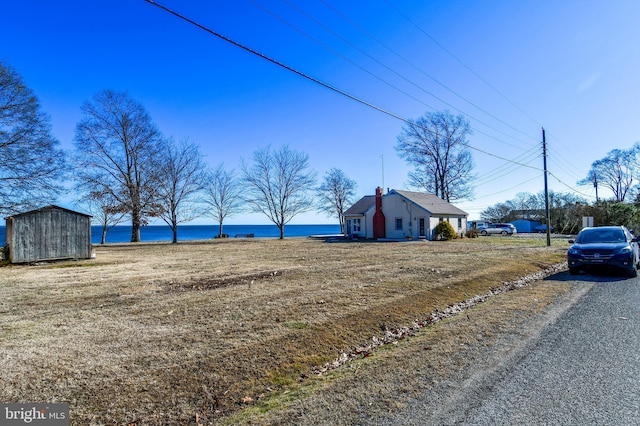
pixel 203 332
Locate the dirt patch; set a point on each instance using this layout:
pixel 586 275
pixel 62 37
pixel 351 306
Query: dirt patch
pixel 220 282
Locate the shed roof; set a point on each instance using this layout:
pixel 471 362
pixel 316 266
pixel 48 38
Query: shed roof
pixel 432 203
pixel 361 206
pixel 48 208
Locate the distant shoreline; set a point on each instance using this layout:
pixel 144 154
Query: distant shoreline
pixel 158 233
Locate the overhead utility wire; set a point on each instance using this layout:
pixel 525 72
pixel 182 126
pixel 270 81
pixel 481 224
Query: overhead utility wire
pixel 552 148
pixel 508 189
pixel 488 179
pixel 461 63
pixel 335 34
pixel 566 164
pixel 381 64
pixel 315 80
pixel 420 70
pixel 481 79
pixel 571 188
pixel 525 157
pixel 579 173
pixel 503 171
pixel 264 9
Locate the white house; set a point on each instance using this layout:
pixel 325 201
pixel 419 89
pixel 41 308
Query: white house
pixel 401 214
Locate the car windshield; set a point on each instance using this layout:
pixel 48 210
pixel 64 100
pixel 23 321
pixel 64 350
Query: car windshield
pixel 602 236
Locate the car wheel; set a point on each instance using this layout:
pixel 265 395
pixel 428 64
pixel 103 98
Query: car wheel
pixel 633 272
pixel 574 271
pixel 504 232
pixel 483 233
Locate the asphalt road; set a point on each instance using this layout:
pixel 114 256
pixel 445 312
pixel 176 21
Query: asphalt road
pixel 581 368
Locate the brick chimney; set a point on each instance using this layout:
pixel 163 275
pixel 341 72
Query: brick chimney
pixel 378 216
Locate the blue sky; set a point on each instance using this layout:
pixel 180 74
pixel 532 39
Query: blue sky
pixel 571 67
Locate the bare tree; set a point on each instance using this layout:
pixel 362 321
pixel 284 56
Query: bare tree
pixel 527 206
pixel 501 212
pixel 181 175
pixel 562 208
pixel 223 195
pixel 336 194
pixel 616 171
pixel 436 145
pixel 277 184
pixel 30 163
pixel 117 149
pixel 105 211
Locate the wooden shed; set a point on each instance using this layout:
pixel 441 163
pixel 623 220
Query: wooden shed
pixel 49 233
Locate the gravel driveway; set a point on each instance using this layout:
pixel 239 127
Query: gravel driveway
pixel 578 365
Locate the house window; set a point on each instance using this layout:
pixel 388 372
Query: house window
pixel 441 219
pixel 398 224
pixel 356 225
pixel 459 223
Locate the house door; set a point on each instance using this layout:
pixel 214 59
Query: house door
pixel 421 230
pixel 348 230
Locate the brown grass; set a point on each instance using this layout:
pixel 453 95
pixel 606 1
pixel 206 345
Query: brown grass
pixel 197 332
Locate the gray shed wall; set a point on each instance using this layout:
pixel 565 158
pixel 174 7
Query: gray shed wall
pixel 49 234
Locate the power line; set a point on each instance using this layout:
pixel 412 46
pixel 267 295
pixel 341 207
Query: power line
pixel 264 9
pixel 460 62
pixel 566 162
pixel 420 70
pixel 501 171
pixel 317 81
pixel 417 86
pixel 567 165
pixel 509 189
pixel 278 63
pixel 495 174
pixel 570 187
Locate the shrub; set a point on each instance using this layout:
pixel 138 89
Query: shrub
pixel 444 231
pixel 472 233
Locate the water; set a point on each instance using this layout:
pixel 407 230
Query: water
pixel 122 234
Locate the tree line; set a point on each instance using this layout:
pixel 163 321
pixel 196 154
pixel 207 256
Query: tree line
pixel 566 211
pixel 618 171
pixel 123 168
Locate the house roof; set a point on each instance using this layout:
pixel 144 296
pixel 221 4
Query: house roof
pixel 431 203
pixel 361 206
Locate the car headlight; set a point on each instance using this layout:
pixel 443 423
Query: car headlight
pixel 574 251
pixel 626 249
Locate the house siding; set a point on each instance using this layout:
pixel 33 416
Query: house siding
pixel 368 220
pixel 350 220
pixel 395 208
pixel 454 221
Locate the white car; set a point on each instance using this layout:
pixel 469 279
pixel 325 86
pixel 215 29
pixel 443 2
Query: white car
pixel 499 228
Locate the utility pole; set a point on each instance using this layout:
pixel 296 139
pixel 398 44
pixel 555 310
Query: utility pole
pixel 595 184
pixel 546 189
